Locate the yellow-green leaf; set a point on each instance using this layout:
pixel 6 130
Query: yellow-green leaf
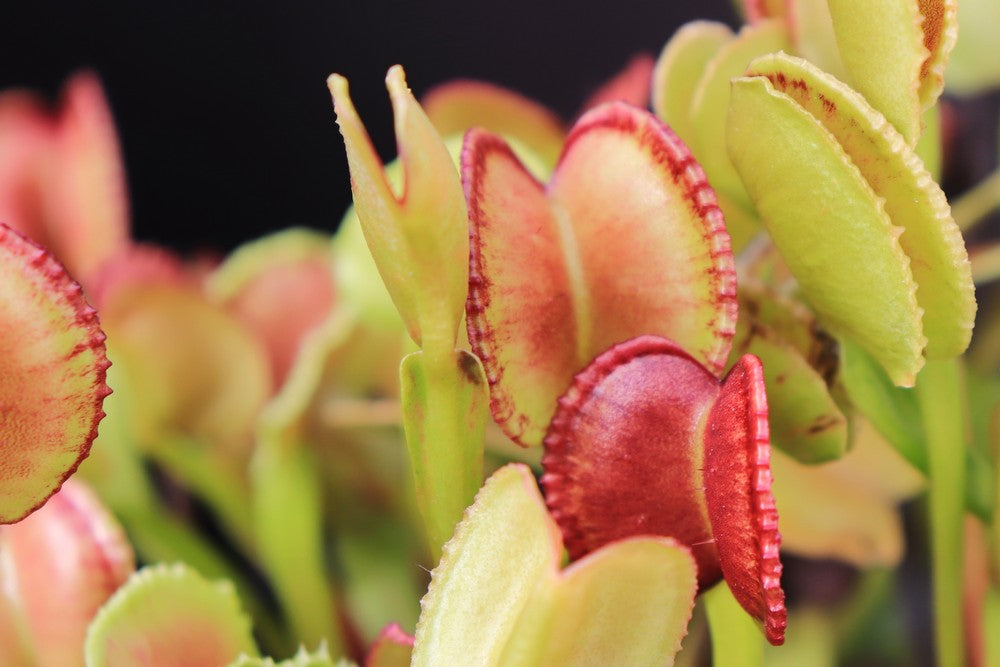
pixel 806 422
pixel 498 597
pixel 829 226
pixel 913 201
pixel 680 67
pixel 418 236
pixel 882 46
pixel 711 99
pixel 501 552
pixel 628 603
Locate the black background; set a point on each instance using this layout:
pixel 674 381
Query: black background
pixel 222 107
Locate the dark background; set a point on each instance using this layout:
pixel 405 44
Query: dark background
pixel 225 120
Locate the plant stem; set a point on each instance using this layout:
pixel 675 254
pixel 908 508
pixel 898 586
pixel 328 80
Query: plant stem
pixel 736 639
pixel 939 392
pixel 977 202
pixel 212 479
pixel 445 407
pixel 288 517
pixel 991 619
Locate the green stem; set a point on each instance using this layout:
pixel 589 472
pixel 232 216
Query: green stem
pixel 991 619
pixel 445 407
pixel 939 393
pixel 977 202
pixel 288 517
pixel 737 641
pixel 217 484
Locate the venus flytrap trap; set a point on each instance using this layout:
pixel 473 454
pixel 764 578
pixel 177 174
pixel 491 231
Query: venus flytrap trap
pixel 60 565
pixel 53 365
pixel 624 187
pixel 498 596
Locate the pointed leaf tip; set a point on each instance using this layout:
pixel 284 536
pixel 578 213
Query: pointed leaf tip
pixel 392 648
pixel 52 375
pixel 418 237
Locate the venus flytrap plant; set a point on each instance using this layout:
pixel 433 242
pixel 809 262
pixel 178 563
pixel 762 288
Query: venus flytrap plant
pixel 645 421
pixel 166 615
pixel 924 270
pixel 598 282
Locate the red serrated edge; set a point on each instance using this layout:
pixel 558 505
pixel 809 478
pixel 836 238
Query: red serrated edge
pixel 667 149
pixel 765 513
pixel 38 260
pixel 558 476
pixel 476 147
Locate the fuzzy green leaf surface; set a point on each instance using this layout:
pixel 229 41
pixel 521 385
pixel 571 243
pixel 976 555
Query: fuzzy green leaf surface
pixel 828 224
pixel 913 201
